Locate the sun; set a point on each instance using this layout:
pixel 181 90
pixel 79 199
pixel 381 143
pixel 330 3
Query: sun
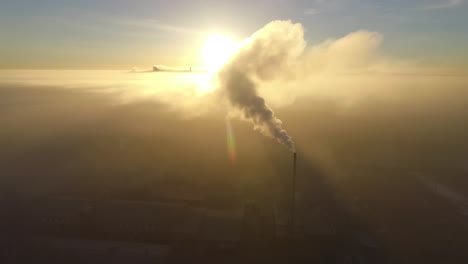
pixel 217 50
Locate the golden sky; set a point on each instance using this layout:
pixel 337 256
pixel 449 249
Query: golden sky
pixel 123 34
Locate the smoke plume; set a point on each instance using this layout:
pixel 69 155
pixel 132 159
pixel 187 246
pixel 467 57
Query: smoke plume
pixel 268 53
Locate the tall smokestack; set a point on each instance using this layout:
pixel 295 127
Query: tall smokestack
pixel 293 194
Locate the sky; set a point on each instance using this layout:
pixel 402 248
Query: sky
pixel 119 34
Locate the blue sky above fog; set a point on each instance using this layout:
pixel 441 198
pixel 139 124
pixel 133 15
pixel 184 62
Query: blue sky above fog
pixel 117 33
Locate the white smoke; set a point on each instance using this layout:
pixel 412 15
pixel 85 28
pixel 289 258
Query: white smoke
pixel 275 63
pixel 268 53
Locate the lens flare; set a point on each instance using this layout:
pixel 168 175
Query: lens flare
pixel 231 143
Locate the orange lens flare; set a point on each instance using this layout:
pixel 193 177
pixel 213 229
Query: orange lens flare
pixel 231 143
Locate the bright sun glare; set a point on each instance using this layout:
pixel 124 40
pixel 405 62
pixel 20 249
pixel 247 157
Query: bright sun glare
pixel 217 50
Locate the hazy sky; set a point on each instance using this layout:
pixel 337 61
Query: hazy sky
pixel 121 34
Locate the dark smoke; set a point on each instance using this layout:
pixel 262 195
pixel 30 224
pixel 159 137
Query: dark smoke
pixel 268 54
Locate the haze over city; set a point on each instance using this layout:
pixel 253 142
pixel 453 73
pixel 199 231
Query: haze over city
pixel 234 132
